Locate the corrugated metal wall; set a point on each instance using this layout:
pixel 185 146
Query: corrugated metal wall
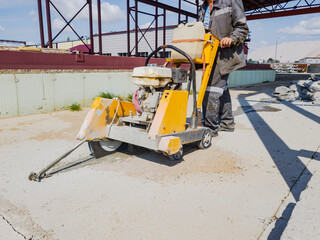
pixel 22 94
pixel 29 93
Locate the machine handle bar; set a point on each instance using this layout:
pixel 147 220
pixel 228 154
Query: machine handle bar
pixel 193 120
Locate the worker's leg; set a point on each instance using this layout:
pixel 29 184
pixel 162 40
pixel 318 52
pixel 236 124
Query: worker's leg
pixel 226 117
pixel 210 107
pixel 211 101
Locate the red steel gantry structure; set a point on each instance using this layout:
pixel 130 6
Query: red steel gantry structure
pixel 260 9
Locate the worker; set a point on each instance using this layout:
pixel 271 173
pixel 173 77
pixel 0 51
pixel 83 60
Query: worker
pixel 227 21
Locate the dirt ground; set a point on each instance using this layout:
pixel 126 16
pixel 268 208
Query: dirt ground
pixel 237 189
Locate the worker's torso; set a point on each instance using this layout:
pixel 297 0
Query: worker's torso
pixel 220 18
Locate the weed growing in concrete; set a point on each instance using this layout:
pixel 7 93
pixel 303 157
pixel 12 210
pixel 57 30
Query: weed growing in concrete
pixel 130 96
pixel 110 95
pixel 75 107
pixel 107 95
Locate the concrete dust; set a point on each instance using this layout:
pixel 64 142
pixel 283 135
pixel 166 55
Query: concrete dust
pixel 156 167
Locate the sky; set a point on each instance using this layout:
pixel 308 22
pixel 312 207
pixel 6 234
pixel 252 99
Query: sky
pixel 19 21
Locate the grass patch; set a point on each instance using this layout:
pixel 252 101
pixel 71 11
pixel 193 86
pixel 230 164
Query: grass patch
pixel 130 96
pixel 110 95
pixel 75 107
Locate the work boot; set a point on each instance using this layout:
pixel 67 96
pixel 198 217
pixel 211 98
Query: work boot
pixel 225 129
pixel 214 132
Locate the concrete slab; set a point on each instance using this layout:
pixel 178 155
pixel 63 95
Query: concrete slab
pixel 234 190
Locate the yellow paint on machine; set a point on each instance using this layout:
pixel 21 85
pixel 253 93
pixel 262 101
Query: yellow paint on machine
pixel 101 114
pixel 171 114
pixel 170 145
pixel 210 50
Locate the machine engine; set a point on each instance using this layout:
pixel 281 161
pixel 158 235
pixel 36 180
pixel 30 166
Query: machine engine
pixel 153 80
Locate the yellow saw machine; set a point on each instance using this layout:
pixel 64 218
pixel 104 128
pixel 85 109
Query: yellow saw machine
pixel 157 117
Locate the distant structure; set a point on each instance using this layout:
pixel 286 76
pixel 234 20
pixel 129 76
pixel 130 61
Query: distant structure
pixel 310 60
pixel 147 42
pixel 159 11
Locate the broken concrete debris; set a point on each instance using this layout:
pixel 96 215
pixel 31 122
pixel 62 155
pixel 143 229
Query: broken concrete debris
pixel 306 90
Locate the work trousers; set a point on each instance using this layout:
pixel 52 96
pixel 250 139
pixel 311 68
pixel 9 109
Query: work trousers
pixel 217 107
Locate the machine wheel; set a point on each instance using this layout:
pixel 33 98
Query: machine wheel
pixel 32 176
pixel 206 140
pixel 104 147
pixel 177 156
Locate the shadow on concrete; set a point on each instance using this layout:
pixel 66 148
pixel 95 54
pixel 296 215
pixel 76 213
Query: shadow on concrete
pixel 125 150
pixel 293 170
pixel 281 223
pixel 285 158
pixel 300 110
pixel 159 158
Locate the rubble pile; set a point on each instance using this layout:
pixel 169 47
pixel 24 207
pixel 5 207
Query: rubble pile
pixel 306 90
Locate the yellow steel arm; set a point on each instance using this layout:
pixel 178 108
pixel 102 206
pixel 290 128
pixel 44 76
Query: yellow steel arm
pixel 211 45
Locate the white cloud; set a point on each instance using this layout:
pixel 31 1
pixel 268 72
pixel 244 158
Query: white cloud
pixel 109 12
pixel 304 27
pixel 59 24
pixel 2 28
pixel 263 43
pixel 34 15
pixel 146 25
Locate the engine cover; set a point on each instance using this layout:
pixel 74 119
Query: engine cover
pixel 157 77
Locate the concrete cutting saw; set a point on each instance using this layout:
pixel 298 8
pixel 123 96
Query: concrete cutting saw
pixel 156 119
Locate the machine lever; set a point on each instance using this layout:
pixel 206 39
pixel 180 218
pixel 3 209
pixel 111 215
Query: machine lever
pixel 42 174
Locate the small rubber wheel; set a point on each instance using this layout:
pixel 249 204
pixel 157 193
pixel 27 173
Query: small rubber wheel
pixel 177 156
pixel 104 147
pixel 206 139
pixel 32 176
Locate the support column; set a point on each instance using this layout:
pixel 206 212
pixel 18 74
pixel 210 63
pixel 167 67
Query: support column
pixel 41 23
pixel 49 23
pixel 91 27
pixel 128 28
pixel 156 30
pixel 99 26
pixel 164 32
pixel 136 27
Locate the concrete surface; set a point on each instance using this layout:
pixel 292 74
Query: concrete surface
pixel 246 186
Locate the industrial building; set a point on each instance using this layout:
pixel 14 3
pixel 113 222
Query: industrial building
pixel 310 60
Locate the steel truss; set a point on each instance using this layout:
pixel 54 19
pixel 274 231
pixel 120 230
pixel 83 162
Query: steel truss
pixel 282 8
pixel 133 14
pixel 254 10
pixel 49 4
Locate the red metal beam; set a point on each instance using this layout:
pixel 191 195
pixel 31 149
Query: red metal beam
pixel 136 26
pixel 91 26
pixel 49 23
pixel 54 61
pixel 284 13
pixel 39 60
pixel 99 26
pixel 13 41
pixel 169 8
pixel 128 29
pixel 41 23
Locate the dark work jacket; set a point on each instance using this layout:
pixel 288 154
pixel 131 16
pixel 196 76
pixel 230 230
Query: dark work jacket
pixel 228 19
